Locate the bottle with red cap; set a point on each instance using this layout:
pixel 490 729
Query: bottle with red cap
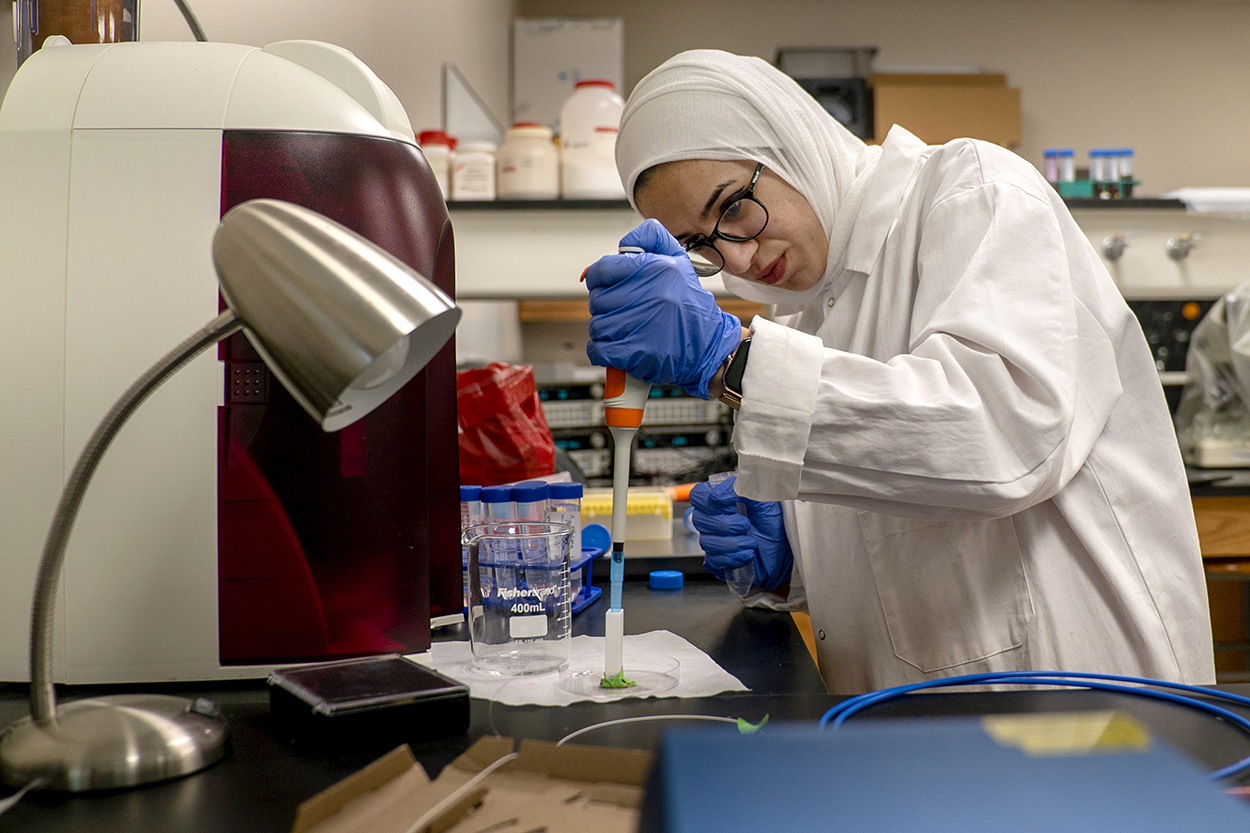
pixel 589 120
pixel 439 150
pixel 528 164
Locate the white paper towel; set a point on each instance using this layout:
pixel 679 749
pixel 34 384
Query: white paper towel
pixel 1214 200
pixel 698 675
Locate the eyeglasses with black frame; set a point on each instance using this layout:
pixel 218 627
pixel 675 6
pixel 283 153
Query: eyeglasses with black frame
pixel 742 219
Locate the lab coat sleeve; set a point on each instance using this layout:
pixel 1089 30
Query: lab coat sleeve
pixel 1002 382
pixel 772 430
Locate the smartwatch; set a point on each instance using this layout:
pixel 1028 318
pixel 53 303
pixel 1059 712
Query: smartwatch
pixel 731 379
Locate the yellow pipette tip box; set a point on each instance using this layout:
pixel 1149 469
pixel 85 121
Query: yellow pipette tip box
pixel 649 513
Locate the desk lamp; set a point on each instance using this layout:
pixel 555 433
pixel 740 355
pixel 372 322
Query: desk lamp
pixel 344 325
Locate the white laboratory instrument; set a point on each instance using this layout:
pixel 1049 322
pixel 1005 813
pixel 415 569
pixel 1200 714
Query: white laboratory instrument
pixel 222 535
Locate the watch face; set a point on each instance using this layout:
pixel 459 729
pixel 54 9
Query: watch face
pixel 737 367
pixel 732 380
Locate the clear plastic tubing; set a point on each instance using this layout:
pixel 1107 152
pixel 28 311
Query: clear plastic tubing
pixel 565 506
pixel 739 579
pixel 1126 172
pixel 1050 165
pixel 470 505
pixel 1103 176
pixel 1111 173
pixel 1097 171
pixel 1067 165
pixel 470 514
pixel 496 505
pixel 530 501
pixel 497 510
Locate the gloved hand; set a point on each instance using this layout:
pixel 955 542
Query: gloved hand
pixel 730 539
pixel 651 318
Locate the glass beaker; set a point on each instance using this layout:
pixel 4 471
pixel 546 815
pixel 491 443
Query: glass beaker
pixel 520 601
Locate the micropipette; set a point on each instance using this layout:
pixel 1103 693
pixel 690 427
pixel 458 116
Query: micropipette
pixel 624 398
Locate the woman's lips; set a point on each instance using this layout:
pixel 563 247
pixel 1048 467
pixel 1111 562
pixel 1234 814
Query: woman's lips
pixel 774 274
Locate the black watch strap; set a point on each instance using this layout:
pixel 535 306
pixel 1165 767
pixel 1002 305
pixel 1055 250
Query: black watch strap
pixel 731 380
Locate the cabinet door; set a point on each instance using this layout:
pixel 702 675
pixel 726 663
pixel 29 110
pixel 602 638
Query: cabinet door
pixel 1224 535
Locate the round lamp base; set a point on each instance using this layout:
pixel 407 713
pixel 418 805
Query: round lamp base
pixel 108 743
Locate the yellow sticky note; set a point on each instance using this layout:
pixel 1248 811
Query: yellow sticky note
pixel 1068 733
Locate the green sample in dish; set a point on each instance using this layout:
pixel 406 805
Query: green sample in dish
pixel 617 680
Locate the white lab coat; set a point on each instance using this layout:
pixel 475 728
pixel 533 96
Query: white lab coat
pixel 979 468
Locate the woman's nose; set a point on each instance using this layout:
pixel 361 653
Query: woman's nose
pixel 737 255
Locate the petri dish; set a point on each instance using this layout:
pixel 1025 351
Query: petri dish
pixel 652 675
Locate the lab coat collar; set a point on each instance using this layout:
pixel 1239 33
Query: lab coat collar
pixel 901 152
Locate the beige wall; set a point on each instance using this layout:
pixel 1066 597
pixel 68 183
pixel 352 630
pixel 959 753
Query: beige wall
pixel 404 41
pixel 1170 78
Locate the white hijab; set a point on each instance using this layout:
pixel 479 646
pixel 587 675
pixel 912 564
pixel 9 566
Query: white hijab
pixel 708 104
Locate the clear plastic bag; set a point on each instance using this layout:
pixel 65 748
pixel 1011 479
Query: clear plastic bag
pixel 1215 404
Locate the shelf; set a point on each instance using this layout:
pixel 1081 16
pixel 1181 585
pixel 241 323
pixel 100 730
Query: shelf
pixel 538 205
pixel 1131 202
pixel 556 311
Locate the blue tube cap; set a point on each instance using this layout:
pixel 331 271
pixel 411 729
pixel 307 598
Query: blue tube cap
pixel 468 493
pixel 596 538
pixel 666 579
pixel 566 491
pixel 530 491
pixel 496 494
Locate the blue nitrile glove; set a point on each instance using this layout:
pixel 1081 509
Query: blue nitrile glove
pixel 651 318
pixel 730 540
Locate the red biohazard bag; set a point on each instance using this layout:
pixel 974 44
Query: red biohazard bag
pixel 504 435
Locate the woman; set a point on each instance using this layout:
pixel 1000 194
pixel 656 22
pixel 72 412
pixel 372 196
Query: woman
pixel 956 431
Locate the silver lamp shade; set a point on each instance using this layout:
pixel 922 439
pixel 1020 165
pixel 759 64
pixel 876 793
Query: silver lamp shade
pixel 344 325
pixel 340 344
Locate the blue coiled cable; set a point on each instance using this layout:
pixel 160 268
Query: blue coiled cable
pixel 840 713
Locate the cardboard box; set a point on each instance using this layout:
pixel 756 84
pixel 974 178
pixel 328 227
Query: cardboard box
pixel 560 789
pixel 550 55
pixel 938 107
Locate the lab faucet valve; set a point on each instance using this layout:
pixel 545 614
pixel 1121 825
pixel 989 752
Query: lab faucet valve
pixel 1113 247
pixel 1180 246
